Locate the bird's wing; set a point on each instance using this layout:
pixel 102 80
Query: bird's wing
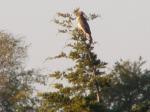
pixel 84 24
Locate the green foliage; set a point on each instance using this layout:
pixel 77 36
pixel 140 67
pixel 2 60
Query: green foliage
pixel 15 82
pixel 87 88
pixel 85 79
pixel 130 88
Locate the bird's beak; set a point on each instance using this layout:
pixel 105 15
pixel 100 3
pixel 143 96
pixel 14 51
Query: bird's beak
pixel 76 10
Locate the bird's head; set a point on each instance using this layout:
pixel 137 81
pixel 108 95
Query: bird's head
pixel 78 13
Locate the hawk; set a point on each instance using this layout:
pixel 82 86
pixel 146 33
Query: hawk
pixel 83 24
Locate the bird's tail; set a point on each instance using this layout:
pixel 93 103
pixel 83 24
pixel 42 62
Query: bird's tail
pixel 90 39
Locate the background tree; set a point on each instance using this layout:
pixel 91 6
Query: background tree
pixel 85 80
pixel 15 81
pixel 130 88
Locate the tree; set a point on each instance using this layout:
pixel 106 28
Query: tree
pixel 15 81
pixel 130 88
pixel 85 79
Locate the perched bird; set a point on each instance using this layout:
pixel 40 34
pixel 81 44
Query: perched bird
pixel 83 24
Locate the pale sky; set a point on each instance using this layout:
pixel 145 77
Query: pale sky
pixel 123 31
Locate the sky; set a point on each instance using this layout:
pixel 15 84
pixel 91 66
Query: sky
pixel 122 32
